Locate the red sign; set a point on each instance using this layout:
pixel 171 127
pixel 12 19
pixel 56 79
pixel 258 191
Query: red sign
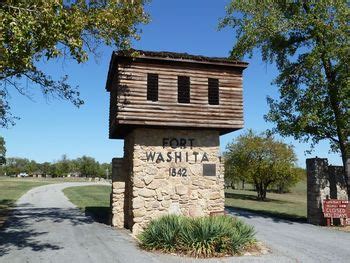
pixel 336 208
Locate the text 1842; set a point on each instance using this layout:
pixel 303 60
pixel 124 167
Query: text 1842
pixel 180 172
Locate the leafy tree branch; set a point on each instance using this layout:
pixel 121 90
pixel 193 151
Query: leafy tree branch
pixel 32 31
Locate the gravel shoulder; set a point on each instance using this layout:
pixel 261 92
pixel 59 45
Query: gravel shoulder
pixel 46 227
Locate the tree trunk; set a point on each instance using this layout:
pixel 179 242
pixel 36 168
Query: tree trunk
pixel 261 191
pixel 333 94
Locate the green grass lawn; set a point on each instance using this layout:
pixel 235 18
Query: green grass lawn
pixel 93 199
pixel 13 188
pixel 289 205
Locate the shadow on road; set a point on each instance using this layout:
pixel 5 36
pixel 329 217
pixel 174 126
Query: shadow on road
pixel 19 231
pixel 275 216
pixel 100 214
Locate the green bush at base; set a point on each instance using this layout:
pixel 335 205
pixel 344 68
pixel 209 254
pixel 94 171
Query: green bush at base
pixel 199 237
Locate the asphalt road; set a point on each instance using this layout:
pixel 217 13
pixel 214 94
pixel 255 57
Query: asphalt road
pixel 299 242
pixel 46 227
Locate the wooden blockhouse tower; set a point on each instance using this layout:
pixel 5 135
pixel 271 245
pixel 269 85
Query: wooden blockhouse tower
pixel 170 109
pixel 166 89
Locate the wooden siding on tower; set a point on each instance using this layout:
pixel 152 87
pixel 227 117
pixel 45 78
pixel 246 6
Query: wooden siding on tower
pixel 130 107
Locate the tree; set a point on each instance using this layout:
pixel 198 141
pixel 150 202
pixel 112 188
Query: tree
pixel 2 151
pixel 310 43
pixel 31 167
pixel 285 184
pixel 88 166
pixel 63 166
pixel 105 170
pixel 36 30
pixel 262 160
pixel 16 165
pixel 45 168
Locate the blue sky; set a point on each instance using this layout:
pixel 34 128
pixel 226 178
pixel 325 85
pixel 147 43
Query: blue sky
pixel 49 128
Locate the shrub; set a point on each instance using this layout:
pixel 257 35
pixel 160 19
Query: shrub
pixel 199 237
pixel 243 234
pixel 161 233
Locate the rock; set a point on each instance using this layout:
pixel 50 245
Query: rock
pixel 138 202
pixel 136 229
pixel 139 212
pixel 138 219
pixel 165 203
pixel 194 195
pixel 148 179
pixel 118 185
pixel 168 190
pixel 155 204
pixel 154 185
pixel 175 197
pixel 181 189
pixel 147 192
pixel 118 190
pixel 197 182
pixel 175 209
pixel 151 170
pixel 138 183
pixel 209 184
pixel 214 196
pixel 138 162
pixel 159 195
pixel 118 221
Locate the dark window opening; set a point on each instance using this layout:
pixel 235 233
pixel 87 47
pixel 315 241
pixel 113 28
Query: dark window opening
pixel 183 89
pixel 213 91
pixel 152 87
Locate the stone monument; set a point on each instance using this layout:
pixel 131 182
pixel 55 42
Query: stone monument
pixel 323 182
pixel 170 109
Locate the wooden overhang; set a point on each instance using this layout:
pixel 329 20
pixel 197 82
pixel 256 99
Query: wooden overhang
pixel 129 108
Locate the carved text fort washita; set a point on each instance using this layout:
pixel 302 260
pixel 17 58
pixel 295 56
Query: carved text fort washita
pixel 177 157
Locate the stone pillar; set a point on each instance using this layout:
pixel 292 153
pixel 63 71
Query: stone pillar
pixel 347 171
pixel 317 189
pixel 175 172
pixel 332 176
pixel 166 171
pixel 118 192
pixel 337 182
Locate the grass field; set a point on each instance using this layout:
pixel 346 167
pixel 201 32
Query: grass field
pixel 289 205
pixel 93 199
pixel 13 188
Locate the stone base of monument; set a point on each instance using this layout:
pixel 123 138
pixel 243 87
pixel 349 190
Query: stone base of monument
pixel 323 182
pixel 166 171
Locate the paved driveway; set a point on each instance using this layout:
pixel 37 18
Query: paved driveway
pixel 46 227
pixel 299 242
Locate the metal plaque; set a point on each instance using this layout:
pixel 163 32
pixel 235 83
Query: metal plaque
pixel 209 169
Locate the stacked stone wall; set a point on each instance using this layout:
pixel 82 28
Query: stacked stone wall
pixel 171 172
pixel 323 182
pixel 118 192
